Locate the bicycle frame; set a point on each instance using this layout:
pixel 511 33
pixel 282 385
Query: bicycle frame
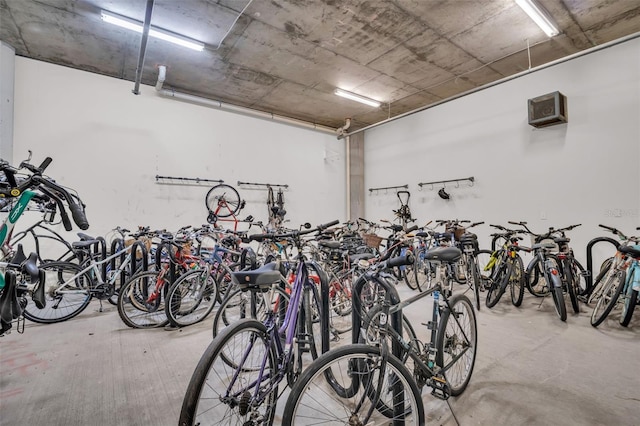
pixel 285 351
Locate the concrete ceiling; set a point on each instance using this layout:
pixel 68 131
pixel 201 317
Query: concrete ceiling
pixel 287 57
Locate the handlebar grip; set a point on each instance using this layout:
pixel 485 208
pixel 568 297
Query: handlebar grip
pixel 45 164
pixel 326 225
pixel 79 217
pixel 516 223
pixel 406 259
pixel 413 228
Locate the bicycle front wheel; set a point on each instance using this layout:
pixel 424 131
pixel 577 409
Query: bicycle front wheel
pixel 498 287
pixel 191 298
pixel 516 281
pixel 608 298
pixel 629 306
pixel 313 399
pixel 234 382
pixel 141 300
pixel 66 292
pixel 456 343
pixel 223 200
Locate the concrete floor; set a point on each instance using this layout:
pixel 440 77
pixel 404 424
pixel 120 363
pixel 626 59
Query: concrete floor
pixel 531 369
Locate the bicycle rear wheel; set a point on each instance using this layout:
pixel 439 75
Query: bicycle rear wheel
pixel 473 277
pixel 66 292
pixel 498 287
pixel 356 368
pixel 571 281
pixel 191 298
pixel 456 343
pixel 229 375
pixel 608 298
pixel 340 306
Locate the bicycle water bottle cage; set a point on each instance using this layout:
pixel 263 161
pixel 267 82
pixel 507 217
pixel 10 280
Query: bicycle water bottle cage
pixel 444 254
pixel 260 279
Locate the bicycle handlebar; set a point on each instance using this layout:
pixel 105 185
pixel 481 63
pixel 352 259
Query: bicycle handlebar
pixel 293 234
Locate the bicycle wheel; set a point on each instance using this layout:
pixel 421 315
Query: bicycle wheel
pixel 629 305
pixel 580 278
pixel 595 292
pixel 234 381
pixel 609 297
pixel 66 292
pixel 571 281
pixel 223 200
pixel 309 329
pixel 482 258
pixel 340 306
pixel 371 327
pixel 516 281
pixel 141 300
pixel 498 287
pixel 191 298
pixel 314 399
pixel 474 279
pixel 536 279
pixel 456 343
pixel 239 305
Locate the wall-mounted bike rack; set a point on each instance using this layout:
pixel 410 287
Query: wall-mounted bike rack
pixel 174 180
pixel 387 188
pixel 265 185
pixel 438 182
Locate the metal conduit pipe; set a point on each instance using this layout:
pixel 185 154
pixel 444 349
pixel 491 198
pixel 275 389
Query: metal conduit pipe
pixel 143 46
pixel 495 83
pixel 170 93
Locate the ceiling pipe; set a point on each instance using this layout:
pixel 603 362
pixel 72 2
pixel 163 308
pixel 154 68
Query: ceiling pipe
pixel 198 100
pixel 495 83
pixel 143 46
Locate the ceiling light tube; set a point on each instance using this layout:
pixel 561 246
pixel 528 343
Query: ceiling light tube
pixel 540 16
pixel 357 98
pixel 133 25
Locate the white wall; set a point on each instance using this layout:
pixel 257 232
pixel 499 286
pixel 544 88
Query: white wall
pixel 109 145
pixel 586 171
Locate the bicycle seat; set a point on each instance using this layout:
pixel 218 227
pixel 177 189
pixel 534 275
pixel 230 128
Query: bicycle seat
pixel 83 244
pixel 633 251
pixel 543 245
pixel 444 254
pixel 468 237
pixel 560 240
pixel 259 279
pixel 422 234
pixel 329 244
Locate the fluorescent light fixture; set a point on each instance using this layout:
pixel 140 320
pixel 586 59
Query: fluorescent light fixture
pixel 540 16
pixel 133 25
pixel 357 98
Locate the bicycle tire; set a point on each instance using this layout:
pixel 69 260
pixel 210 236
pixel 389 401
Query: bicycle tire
pixel 312 397
pixel 206 402
pixel 608 299
pixel 474 275
pixel 629 305
pixel 570 280
pixel 340 306
pixel 516 281
pixel 454 331
pixel 534 274
pixel 558 302
pixel 482 258
pixel 310 320
pixel 138 306
pixel 61 306
pixel 499 286
pixel 239 305
pixel 217 199
pixel 191 298
pixel 581 284
pixel 596 289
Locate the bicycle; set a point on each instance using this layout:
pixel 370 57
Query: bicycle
pixel 506 267
pixel 19 186
pixel 238 376
pixel 621 281
pixel 363 384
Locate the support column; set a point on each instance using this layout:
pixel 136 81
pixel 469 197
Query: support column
pixel 356 176
pixel 7 74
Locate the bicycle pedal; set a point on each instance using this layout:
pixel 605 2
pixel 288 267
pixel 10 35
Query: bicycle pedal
pixel 439 388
